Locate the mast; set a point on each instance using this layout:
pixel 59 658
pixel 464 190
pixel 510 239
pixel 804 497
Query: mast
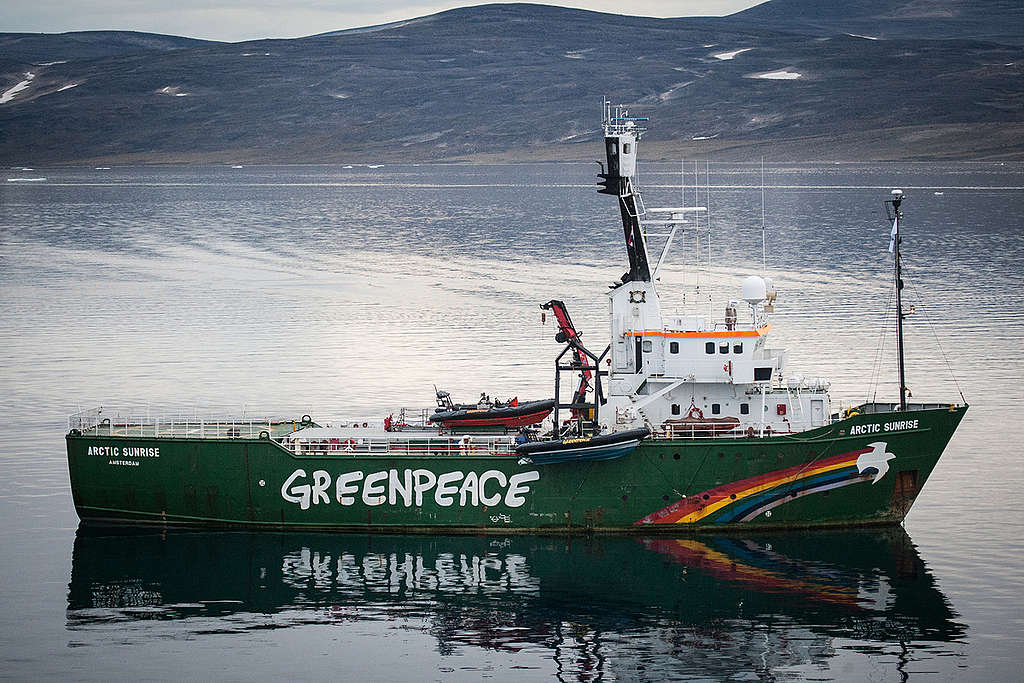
pixel 894 247
pixel 621 134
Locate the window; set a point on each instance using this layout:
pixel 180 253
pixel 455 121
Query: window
pixel 625 147
pixel 744 409
pixel 723 347
pixel 709 347
pixel 737 348
pixel 673 347
pixel 716 408
pixel 647 346
pixel 614 147
pixel 762 374
pixel 675 408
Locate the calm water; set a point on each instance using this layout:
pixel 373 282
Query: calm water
pixel 347 292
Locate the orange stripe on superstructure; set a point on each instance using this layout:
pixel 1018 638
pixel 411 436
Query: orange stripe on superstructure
pixel 731 333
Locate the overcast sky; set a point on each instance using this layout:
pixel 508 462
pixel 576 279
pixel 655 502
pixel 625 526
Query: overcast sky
pixel 233 20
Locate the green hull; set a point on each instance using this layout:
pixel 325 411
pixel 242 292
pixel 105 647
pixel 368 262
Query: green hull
pixel 867 469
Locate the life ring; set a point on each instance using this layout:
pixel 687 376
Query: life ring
pixel 348 445
pixel 695 413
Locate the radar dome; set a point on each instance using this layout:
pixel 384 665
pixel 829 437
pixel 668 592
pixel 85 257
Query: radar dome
pixel 754 290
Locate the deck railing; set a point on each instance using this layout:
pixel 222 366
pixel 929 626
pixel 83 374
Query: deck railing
pixel 129 423
pixel 428 445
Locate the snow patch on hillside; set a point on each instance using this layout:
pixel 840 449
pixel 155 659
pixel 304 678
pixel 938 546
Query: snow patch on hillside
pixel 731 55
pixel 10 93
pixel 671 92
pixel 173 90
pixel 781 75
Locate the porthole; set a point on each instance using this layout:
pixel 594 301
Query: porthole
pixel 675 456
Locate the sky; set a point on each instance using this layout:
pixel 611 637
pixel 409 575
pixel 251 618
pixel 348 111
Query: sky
pixel 234 20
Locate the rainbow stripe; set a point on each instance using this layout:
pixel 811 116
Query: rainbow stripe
pixel 744 500
pixel 762 571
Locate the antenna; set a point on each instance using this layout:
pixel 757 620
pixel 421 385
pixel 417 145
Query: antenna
pixel 707 190
pixel 894 246
pixel 764 249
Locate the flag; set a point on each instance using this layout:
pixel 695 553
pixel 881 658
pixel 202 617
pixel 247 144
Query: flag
pixel 892 235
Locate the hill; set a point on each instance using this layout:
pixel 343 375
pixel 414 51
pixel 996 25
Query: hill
pixel 525 82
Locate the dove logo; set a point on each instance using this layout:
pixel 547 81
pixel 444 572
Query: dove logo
pixel 876 459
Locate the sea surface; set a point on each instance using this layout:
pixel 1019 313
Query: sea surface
pixel 350 291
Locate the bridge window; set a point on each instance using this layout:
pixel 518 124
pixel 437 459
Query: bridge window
pixel 675 408
pixel 673 347
pixel 762 374
pixel 744 409
pixel 737 348
pixel 716 408
pixel 709 347
pixel 723 347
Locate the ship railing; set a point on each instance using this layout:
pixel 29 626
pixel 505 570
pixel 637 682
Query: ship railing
pixel 436 446
pixel 713 431
pixel 875 407
pixel 116 423
pixel 413 417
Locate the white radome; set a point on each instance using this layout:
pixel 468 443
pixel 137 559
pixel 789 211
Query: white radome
pixel 754 290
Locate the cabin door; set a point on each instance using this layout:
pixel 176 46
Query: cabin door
pixel 817 412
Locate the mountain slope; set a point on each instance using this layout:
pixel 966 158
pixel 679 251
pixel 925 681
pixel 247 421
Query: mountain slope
pixel 520 81
pixel 999 21
pixel 78 45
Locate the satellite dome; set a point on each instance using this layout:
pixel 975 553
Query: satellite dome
pixel 754 290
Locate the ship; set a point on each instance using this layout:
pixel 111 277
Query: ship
pixel 681 423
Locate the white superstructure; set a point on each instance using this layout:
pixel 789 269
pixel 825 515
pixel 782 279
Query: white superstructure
pixel 685 374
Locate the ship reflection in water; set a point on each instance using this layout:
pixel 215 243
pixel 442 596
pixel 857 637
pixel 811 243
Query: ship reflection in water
pixel 591 607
